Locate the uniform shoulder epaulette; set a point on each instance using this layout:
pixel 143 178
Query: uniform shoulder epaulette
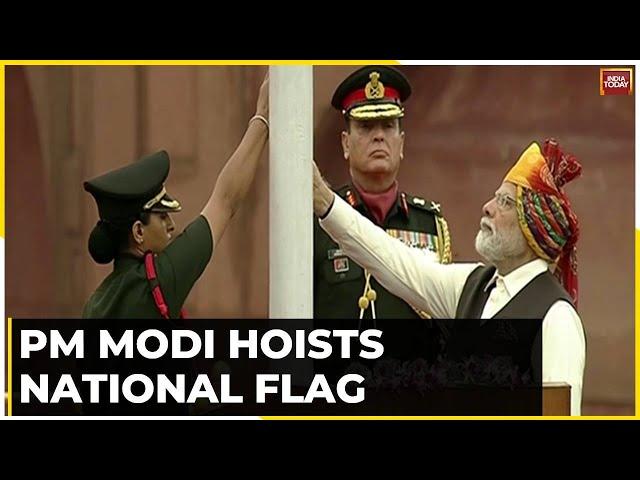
pixel 444 237
pixel 423 204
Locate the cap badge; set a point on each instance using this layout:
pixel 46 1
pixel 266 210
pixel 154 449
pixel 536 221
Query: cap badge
pixel 154 200
pixel 375 88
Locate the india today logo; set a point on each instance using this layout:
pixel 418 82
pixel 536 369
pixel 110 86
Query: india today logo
pixel 616 81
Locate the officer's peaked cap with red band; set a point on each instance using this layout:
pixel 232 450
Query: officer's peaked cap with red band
pixel 371 93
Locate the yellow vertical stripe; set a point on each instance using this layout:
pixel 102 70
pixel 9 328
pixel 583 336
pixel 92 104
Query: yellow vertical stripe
pixel 637 316
pixel 9 376
pixel 2 202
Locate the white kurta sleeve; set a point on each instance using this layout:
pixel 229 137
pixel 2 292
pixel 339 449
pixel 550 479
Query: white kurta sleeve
pixel 406 272
pixel 564 350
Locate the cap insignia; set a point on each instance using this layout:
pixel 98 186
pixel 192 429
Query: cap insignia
pixel 375 88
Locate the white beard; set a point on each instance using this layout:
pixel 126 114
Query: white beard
pixel 498 246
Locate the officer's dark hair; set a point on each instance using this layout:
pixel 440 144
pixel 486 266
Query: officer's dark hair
pixel 347 121
pixel 108 239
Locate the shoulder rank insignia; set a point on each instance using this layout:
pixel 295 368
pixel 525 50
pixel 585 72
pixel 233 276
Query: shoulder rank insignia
pixel 427 205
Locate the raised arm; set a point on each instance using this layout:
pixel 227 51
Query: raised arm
pixel 237 175
pixel 411 274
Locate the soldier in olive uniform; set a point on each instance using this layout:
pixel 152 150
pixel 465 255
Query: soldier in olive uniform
pixel 371 101
pixel 154 269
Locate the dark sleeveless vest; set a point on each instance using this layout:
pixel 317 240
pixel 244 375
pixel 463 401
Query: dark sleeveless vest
pixel 512 330
pixel 532 302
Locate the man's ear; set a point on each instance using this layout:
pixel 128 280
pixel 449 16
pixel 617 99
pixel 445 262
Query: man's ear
pixel 345 144
pixel 137 230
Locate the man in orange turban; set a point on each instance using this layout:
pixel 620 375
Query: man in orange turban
pixel 544 212
pixel 528 230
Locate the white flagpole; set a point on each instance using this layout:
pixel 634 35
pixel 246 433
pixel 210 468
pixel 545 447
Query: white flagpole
pixel 290 192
